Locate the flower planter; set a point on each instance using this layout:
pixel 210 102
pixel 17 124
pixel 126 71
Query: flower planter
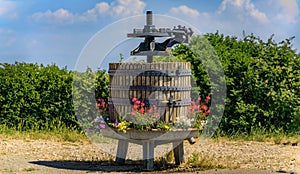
pixel 154 134
pixel 149 140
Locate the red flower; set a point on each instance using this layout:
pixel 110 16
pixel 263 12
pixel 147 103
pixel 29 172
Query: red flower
pixel 207 99
pixel 135 106
pixel 207 112
pixel 134 99
pixel 204 107
pixel 142 110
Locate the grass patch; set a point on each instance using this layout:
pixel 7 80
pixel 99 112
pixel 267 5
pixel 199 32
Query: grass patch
pixel 198 160
pixel 59 133
pixel 28 169
pixel 259 135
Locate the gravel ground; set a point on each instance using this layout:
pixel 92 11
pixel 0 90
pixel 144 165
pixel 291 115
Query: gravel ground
pixel 42 156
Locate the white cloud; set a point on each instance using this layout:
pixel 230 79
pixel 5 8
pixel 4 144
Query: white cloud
pixel 289 11
pixel 119 8
pixel 128 7
pixel 244 6
pixel 8 9
pixel 102 7
pixel 60 16
pixel 183 9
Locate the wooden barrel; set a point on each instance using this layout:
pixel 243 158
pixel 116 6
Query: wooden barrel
pixel 164 84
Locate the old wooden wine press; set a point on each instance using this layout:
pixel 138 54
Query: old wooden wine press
pixel 165 84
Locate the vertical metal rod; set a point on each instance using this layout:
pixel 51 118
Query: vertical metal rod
pixel 149 59
pixel 149 18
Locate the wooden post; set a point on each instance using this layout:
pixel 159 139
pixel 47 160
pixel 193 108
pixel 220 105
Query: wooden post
pixel 178 152
pixel 148 154
pixel 121 152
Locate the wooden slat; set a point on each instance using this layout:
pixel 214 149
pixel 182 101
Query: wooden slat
pixel 131 80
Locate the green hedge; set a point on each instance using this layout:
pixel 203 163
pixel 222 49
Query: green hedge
pixel 37 97
pixel 33 96
pixel 262 80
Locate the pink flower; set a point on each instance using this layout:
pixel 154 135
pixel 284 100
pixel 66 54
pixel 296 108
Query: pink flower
pixel 194 105
pixel 207 112
pixel 132 113
pixel 135 106
pixel 142 110
pixel 157 115
pixel 102 126
pixel 149 110
pixel 207 99
pixel 134 99
pixel 199 99
pixel 204 107
pixel 103 103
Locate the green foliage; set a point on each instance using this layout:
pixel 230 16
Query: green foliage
pixel 37 97
pixel 200 76
pixel 262 80
pixel 208 75
pixel 88 87
pixel 34 96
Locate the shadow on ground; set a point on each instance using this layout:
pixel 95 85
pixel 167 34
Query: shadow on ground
pixel 137 167
pixel 101 166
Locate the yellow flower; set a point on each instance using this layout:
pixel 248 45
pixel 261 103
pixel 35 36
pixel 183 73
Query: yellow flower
pixel 167 127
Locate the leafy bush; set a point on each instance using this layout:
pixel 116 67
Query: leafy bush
pixel 33 96
pixel 88 87
pixel 37 97
pixel 262 80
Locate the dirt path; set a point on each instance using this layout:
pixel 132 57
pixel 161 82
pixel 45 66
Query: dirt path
pixel 41 157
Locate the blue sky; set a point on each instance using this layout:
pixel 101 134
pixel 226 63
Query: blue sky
pixel 52 31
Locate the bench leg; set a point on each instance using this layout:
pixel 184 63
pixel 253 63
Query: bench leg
pixel 178 152
pixel 148 155
pixel 121 152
